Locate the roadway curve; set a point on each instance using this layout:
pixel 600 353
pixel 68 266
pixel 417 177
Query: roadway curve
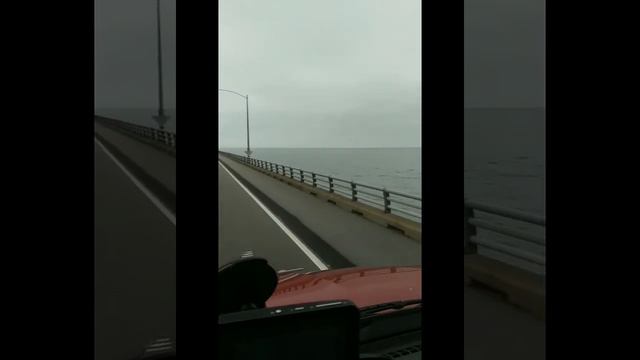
pixel 135 265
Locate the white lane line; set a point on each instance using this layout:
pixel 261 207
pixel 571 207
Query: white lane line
pixel 163 209
pixel 282 226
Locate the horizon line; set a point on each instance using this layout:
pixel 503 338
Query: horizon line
pixel 315 147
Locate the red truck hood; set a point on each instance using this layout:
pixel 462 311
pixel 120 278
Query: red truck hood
pixel 364 286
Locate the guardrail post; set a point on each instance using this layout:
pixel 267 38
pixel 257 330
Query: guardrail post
pixel 290 172
pixel 330 184
pixel 469 231
pixel 387 201
pixel 313 178
pixel 353 191
pixel 301 176
pixel 271 166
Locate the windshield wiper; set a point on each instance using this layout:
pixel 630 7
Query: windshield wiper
pixel 395 305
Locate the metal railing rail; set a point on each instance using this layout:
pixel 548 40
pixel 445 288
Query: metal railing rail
pixel 164 137
pixel 472 224
pixel 384 199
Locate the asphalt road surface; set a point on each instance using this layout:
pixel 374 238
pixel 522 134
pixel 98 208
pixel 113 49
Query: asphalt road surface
pixel 495 330
pixel 243 225
pixel 135 265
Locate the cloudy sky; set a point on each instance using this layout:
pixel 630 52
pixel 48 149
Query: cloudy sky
pixel 504 53
pixel 126 73
pixel 328 73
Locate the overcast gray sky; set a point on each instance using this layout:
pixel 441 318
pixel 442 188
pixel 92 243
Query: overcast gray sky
pixel 504 53
pixel 126 74
pixel 320 73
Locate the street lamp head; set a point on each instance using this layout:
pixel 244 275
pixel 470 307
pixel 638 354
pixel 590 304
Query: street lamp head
pixel 233 92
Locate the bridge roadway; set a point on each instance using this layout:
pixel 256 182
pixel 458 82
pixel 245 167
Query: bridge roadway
pixel 337 236
pixel 135 255
pixel 245 224
pixel 493 329
pixel 135 264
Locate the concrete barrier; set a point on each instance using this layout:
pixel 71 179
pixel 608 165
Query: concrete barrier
pixel 107 122
pixel 520 287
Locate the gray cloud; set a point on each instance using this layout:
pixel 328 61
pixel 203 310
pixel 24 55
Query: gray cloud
pixel 504 53
pixel 327 73
pixel 125 53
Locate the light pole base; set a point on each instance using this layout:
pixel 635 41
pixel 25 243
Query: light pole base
pixel 161 120
pixel 248 152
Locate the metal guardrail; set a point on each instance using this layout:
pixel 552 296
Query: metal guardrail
pixel 166 138
pixel 472 223
pixel 380 198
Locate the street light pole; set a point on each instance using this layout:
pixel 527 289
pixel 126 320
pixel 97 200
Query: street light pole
pixel 161 118
pixel 246 99
pixel 248 146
